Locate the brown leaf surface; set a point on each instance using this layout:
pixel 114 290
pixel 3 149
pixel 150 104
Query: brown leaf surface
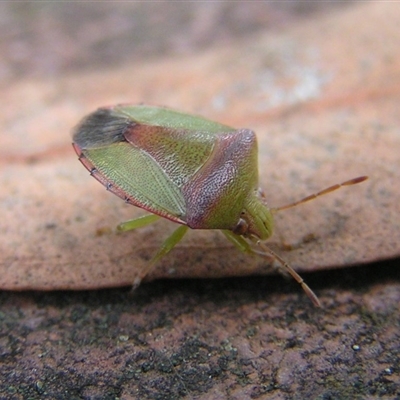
pixel 325 110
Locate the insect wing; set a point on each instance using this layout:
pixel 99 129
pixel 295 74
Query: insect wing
pixel 124 169
pixel 145 154
pixel 167 118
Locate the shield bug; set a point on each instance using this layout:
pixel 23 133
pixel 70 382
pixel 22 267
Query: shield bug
pixel 195 172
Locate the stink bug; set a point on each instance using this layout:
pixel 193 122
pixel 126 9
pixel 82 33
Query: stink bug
pixel 192 171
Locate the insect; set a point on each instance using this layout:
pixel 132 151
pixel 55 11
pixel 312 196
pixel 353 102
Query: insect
pixel 195 172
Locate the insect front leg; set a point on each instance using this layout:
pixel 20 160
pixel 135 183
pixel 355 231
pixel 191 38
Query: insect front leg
pixel 239 242
pixel 245 247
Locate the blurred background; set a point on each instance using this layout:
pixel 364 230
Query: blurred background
pixel 50 39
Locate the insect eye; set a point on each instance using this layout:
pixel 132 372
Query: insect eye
pixel 241 227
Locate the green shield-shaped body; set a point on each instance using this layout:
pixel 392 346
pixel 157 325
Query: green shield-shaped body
pixel 198 173
pixel 182 167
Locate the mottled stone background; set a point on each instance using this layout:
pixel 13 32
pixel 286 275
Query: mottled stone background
pixel 320 84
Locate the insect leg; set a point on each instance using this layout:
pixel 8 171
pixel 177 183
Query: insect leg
pixel 137 222
pixel 287 268
pixel 239 242
pixel 165 248
pixel 245 247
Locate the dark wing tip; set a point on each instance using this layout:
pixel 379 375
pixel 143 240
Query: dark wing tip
pixel 100 128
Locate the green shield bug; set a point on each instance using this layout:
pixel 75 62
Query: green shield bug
pixel 192 171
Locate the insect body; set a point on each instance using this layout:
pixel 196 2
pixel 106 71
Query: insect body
pixel 195 172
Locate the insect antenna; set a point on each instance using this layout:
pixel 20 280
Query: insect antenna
pixel 287 268
pixel 330 189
